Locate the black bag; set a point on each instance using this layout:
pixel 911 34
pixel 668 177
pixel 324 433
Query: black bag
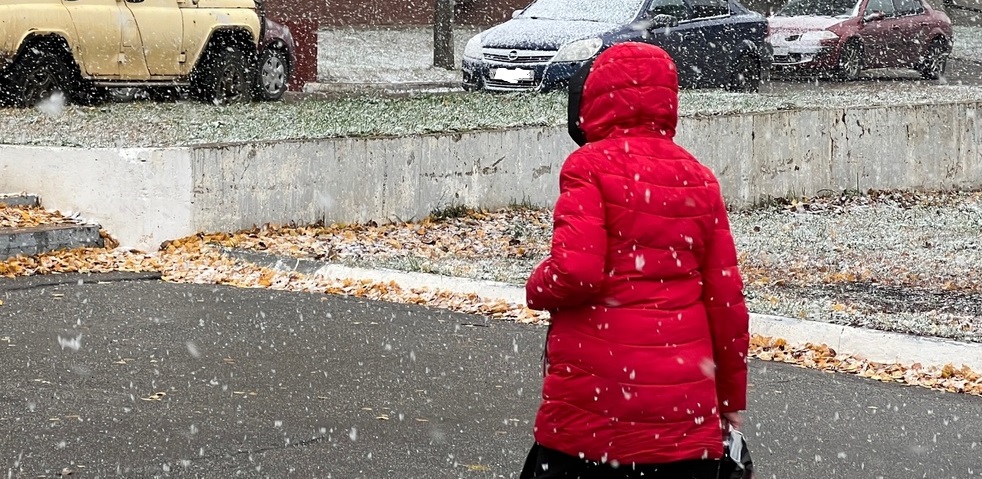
pixel 531 462
pixel 736 462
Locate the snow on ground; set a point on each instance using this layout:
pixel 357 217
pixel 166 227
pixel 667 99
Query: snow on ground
pixel 968 43
pixel 844 293
pixel 384 55
pixel 367 55
pixel 904 262
pixel 190 123
pixel 355 56
pixel 884 290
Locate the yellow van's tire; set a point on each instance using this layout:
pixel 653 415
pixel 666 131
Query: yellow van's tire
pixel 37 74
pixel 223 76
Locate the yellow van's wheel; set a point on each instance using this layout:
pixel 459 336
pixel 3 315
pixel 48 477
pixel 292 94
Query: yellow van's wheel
pixel 38 74
pixel 745 75
pixel 223 76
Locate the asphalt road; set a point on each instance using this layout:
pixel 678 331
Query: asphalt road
pixel 123 375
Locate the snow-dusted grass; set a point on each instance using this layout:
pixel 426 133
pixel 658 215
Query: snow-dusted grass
pixel 190 123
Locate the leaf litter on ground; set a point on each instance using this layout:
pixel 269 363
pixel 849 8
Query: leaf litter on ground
pixel 27 217
pixel 901 261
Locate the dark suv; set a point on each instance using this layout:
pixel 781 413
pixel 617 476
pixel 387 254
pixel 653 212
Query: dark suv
pixel 716 43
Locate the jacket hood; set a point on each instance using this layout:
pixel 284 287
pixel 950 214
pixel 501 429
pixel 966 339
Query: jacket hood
pixel 631 89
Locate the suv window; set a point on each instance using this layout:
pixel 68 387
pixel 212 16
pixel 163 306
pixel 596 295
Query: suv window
pixel 710 8
pixel 908 7
pixel 884 6
pixel 675 8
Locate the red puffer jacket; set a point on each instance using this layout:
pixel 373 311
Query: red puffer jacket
pixel 649 331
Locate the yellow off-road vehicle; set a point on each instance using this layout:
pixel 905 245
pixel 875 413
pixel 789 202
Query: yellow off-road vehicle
pixel 83 47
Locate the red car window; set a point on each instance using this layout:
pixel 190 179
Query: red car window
pixel 883 6
pixel 908 7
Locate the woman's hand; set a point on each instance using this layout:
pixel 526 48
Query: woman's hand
pixel 732 419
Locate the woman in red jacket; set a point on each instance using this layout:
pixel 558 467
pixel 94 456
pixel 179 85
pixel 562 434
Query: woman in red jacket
pixel 646 352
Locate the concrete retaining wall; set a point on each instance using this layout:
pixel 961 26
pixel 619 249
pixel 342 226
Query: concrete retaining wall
pixel 141 196
pixel 145 196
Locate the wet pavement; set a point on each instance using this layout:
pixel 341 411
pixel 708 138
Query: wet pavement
pixel 126 375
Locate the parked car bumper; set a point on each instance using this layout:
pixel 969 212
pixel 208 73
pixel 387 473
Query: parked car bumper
pixel 806 61
pixel 540 77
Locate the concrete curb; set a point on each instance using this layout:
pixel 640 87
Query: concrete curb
pixel 47 238
pixel 879 346
pixel 20 200
pixel 406 280
pixel 391 87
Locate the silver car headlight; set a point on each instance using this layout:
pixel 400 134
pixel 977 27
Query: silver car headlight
pixel 579 50
pixel 473 48
pixel 822 37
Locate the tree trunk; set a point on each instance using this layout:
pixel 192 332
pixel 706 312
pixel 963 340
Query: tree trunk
pixel 443 35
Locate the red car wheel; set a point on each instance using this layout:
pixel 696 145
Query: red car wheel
pixel 850 62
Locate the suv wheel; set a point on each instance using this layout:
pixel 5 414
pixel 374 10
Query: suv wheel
pixel 745 75
pixel 223 76
pixel 935 60
pixel 36 75
pixel 273 75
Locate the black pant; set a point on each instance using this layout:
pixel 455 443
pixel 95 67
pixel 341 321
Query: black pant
pixel 545 463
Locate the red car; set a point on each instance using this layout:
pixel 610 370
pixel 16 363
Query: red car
pixel 845 37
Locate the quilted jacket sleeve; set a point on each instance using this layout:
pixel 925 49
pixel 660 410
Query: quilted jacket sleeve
pixel 728 318
pixel 574 270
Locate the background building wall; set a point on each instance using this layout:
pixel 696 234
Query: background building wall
pixel 374 13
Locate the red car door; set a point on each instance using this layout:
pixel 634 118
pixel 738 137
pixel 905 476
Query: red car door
pixel 881 34
pixel 915 26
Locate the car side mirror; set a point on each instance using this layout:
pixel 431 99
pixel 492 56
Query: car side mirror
pixel 662 20
pixel 516 13
pixel 874 17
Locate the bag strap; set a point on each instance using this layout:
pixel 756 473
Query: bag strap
pixel 545 352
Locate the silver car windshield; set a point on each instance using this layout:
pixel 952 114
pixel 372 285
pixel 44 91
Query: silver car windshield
pixel 819 8
pixel 606 11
